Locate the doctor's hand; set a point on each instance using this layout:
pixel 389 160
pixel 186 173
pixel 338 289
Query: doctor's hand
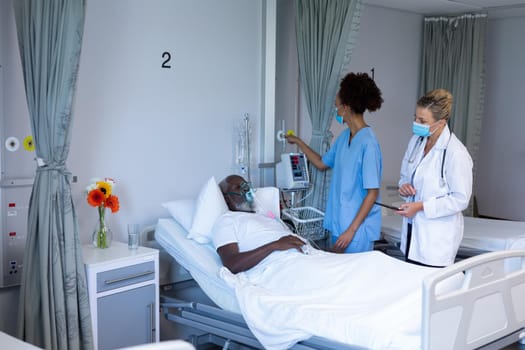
pixel 408 210
pixel 407 190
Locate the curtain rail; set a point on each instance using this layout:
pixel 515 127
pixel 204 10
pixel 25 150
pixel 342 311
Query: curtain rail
pixel 448 18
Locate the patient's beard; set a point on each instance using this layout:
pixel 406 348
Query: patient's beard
pixel 246 207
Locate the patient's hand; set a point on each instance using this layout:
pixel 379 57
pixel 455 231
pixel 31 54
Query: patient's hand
pixel 237 261
pixel 288 242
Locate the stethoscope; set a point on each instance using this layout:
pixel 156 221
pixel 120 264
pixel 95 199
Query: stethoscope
pixel 413 153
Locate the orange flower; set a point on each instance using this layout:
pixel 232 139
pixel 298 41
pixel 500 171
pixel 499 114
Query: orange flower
pixel 95 197
pixel 112 203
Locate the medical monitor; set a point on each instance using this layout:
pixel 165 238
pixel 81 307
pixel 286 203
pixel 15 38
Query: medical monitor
pixel 292 172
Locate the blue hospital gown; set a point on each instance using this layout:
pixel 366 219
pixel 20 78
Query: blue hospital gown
pixel 356 168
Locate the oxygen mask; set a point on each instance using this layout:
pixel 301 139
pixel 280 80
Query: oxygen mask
pixel 247 192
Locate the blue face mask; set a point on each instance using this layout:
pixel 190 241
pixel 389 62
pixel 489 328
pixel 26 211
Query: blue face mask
pixel 338 117
pixel 421 129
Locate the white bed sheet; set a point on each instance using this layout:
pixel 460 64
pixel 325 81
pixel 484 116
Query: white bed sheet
pixel 200 260
pixel 370 299
pixel 479 234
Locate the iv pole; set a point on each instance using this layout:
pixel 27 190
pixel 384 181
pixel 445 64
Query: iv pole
pixel 247 138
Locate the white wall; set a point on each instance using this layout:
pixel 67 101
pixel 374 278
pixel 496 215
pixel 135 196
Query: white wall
pixel 161 133
pixel 499 187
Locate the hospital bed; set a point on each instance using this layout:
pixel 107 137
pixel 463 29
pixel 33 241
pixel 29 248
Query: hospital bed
pixel 487 311
pixel 354 301
pixel 480 235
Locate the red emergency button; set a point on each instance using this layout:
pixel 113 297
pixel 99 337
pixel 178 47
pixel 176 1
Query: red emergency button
pixel 12 205
pixel 12 234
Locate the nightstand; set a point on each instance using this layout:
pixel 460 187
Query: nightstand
pixel 123 287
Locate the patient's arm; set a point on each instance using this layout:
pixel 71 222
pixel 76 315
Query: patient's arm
pixel 236 261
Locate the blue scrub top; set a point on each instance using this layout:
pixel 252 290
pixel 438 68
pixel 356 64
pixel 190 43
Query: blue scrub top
pixel 355 168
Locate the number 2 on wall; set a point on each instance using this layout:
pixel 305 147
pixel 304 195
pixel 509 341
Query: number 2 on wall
pixel 167 57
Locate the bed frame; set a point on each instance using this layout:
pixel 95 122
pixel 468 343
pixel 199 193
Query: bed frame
pixel 487 312
pixel 224 328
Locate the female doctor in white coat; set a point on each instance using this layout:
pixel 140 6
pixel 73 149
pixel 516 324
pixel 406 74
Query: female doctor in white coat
pixel 436 182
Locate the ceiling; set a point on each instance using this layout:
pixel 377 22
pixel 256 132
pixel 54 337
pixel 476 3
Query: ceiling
pixel 494 8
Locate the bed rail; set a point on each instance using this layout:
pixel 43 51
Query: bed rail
pixel 487 310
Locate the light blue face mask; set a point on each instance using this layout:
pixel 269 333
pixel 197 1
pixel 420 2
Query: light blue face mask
pixel 421 129
pixel 338 117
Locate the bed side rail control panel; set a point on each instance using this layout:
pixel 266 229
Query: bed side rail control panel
pixel 125 276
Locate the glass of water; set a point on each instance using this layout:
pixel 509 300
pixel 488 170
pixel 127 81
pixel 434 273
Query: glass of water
pixel 133 236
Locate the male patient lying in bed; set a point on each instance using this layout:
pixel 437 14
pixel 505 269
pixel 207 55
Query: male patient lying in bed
pixel 263 234
pixel 368 299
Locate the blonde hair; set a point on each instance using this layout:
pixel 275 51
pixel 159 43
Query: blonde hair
pixel 439 102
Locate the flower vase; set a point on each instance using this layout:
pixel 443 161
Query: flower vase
pixel 102 235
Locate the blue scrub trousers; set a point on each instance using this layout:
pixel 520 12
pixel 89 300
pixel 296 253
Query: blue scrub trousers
pixel 360 246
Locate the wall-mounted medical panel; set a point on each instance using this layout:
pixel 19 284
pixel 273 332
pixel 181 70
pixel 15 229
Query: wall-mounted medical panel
pixel 14 203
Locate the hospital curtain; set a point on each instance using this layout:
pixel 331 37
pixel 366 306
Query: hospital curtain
pixel 326 32
pixel 54 306
pixel 453 58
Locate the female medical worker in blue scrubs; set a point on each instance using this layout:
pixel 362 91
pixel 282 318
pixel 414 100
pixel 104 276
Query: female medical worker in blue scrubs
pixel 436 181
pixel 351 216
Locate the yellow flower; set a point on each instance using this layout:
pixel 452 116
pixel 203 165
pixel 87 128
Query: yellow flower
pixel 105 187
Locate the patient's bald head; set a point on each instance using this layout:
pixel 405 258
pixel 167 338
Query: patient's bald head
pixel 236 190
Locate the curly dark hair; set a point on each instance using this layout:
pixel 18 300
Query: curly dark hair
pixel 360 92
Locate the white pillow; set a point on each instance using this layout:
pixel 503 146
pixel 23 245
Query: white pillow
pixel 209 206
pixel 267 201
pixel 197 222
pixel 182 211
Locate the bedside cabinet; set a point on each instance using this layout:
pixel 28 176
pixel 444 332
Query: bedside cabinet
pixel 123 287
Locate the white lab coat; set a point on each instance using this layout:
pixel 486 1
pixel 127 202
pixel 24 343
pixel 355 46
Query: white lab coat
pixel 438 229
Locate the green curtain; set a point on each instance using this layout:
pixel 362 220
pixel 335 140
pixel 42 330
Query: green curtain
pixel 54 305
pixel 453 58
pixel 326 32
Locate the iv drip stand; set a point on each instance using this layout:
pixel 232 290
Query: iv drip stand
pixel 247 131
